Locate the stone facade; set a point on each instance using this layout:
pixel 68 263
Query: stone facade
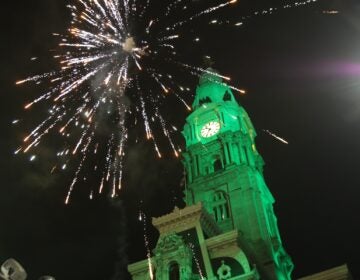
pixel 191 239
pixel 228 229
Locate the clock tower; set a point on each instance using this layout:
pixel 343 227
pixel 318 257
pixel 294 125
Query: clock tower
pixel 225 173
pixel 228 229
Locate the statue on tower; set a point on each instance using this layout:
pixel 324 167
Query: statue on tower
pixel 210 75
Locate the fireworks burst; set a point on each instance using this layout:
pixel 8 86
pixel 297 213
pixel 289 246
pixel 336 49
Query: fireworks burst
pixel 111 74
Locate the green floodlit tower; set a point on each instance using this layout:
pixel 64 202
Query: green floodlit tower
pixel 225 173
pixel 228 229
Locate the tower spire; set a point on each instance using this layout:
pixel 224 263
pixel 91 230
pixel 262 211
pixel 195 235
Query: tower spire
pixel 224 172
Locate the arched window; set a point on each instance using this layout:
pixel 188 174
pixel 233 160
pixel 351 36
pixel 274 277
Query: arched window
pixel 246 156
pixel 205 100
pixel 174 271
pixel 227 96
pixel 221 206
pixel 217 165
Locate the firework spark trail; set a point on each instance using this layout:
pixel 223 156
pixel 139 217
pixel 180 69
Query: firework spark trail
pixel 142 218
pixel 107 165
pixel 79 110
pixel 271 11
pixel 282 140
pixel 148 130
pixel 76 177
pixel 109 158
pixel 137 63
pixel 120 172
pixel 146 119
pixel 115 172
pixel 201 70
pixel 40 126
pixel 198 71
pixel 169 38
pixel 167 46
pixel 113 7
pixel 192 247
pixel 158 80
pixel 119 156
pixel 151 22
pixel 188 107
pixel 36 78
pixel 207 11
pixel 236 89
pixel 81 140
pixel 197 74
pixel 83 60
pixel 167 133
pixel 123 72
pixel 77 83
pixel 37 140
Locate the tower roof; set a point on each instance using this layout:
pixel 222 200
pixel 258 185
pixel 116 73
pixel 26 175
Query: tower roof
pixel 211 89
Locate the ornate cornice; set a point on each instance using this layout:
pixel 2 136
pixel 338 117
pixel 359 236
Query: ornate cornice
pixel 139 267
pixel 183 219
pixel 223 240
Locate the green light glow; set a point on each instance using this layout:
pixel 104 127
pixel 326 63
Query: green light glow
pixel 225 173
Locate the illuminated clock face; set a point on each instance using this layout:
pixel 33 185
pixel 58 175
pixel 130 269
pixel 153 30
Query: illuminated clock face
pixel 210 129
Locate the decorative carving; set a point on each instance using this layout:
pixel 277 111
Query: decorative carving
pixel 171 249
pixel 168 243
pixel 224 271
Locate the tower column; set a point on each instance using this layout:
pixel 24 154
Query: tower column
pixel 187 164
pixel 195 165
pixel 226 151
pixel 190 177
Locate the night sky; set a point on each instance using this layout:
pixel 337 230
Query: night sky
pixel 301 68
